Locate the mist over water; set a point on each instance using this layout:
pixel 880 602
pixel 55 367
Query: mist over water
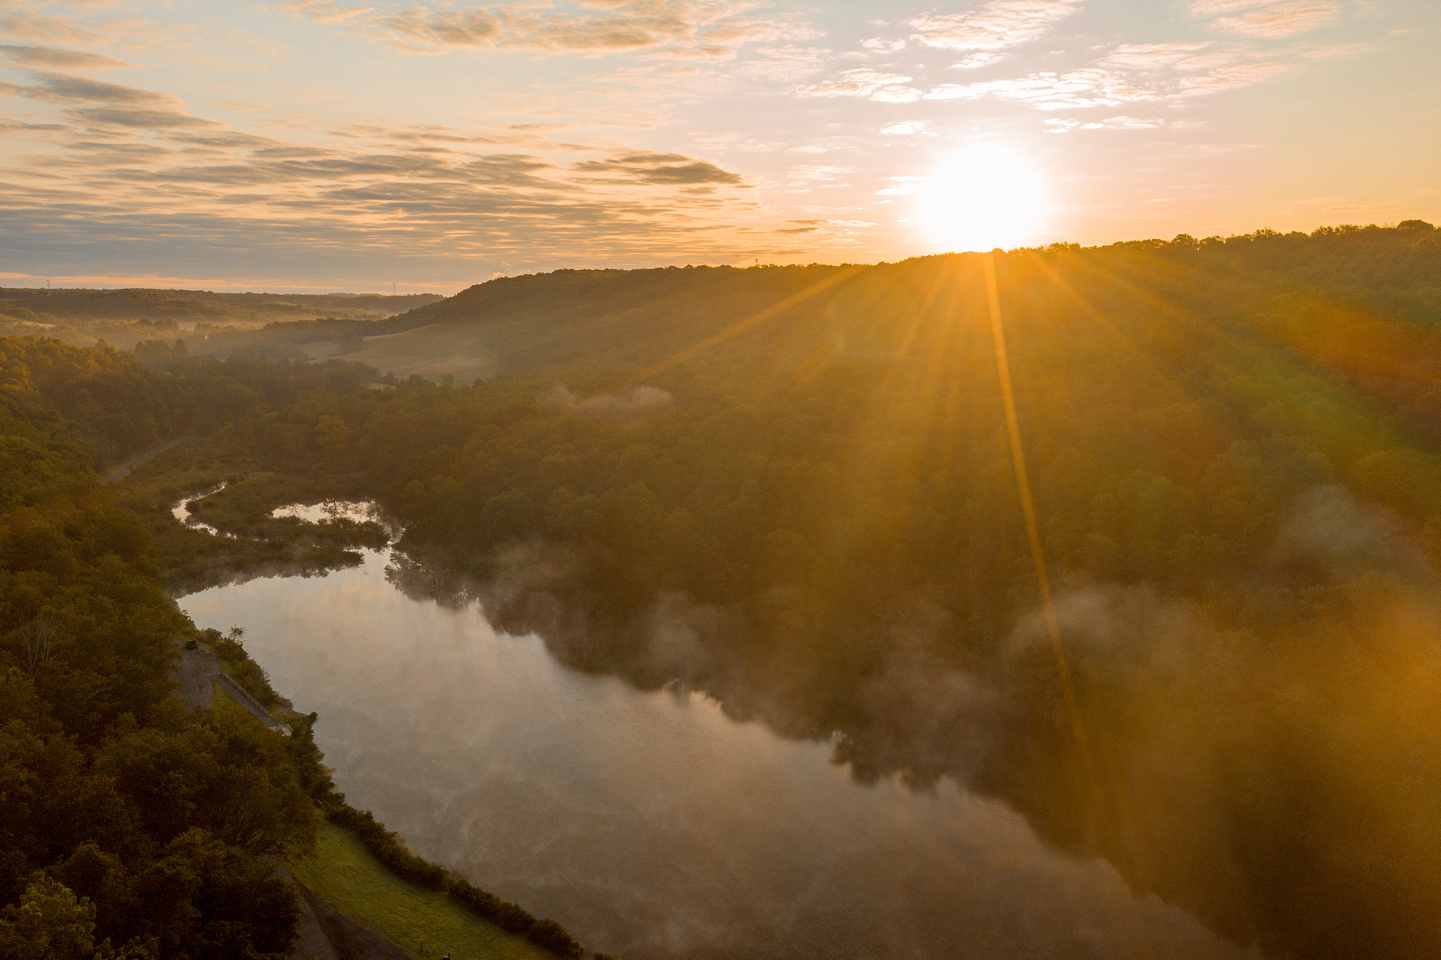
pixel 649 823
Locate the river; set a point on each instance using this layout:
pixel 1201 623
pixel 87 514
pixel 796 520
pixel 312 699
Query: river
pixel 649 823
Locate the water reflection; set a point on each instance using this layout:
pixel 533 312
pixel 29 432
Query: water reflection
pixel 358 510
pixel 649 823
pixel 181 512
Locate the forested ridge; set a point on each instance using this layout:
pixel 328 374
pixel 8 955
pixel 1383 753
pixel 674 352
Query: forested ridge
pixel 130 827
pixel 792 488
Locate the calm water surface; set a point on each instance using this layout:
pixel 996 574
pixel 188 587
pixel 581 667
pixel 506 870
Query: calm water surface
pixel 650 824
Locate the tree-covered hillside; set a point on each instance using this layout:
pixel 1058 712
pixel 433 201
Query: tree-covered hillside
pixel 127 827
pixel 645 316
pixel 130 826
pixel 794 488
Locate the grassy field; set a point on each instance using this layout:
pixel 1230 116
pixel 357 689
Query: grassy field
pixel 462 350
pixel 424 923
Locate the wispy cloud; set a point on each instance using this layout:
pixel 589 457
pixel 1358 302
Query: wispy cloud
pixel 20 23
pixel 982 58
pixel 592 26
pixel 994 26
pixel 96 103
pixel 906 128
pixel 55 58
pixel 1232 78
pixel 1134 74
pixel 83 89
pixel 1067 124
pixel 1155 56
pixel 1282 19
pixel 867 84
pixel 659 168
pixel 1211 8
pixel 1076 89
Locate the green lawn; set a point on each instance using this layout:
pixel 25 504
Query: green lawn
pixel 424 923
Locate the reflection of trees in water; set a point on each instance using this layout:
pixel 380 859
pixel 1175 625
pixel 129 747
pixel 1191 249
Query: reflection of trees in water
pixel 418 580
pixel 1200 761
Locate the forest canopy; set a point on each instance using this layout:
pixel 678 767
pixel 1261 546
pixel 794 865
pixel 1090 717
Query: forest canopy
pixel 128 828
pixel 792 488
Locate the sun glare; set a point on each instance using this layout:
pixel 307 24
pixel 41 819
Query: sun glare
pixel 982 198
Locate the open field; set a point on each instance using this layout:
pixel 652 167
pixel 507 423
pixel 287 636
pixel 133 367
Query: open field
pixel 423 922
pixel 456 349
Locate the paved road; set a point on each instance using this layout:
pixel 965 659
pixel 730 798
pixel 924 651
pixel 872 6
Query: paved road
pixel 125 468
pixel 194 671
pixel 199 674
pixel 312 943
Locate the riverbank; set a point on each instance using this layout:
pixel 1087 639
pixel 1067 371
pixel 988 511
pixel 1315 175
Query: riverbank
pixel 425 923
pixel 484 926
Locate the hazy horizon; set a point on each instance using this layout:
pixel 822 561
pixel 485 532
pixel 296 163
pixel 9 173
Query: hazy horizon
pixel 300 289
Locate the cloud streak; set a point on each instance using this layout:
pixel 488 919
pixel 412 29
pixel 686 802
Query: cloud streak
pixel 867 84
pixel 55 58
pixel 996 25
pixel 660 168
pixel 708 28
pixel 98 104
pixel 1282 19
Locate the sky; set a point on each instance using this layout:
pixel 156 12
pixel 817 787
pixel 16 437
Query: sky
pixel 425 146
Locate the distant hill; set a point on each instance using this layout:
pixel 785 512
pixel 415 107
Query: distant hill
pixel 644 317
pixel 188 306
pixel 124 317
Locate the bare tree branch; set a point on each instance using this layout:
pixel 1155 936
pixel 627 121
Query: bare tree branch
pixel 39 638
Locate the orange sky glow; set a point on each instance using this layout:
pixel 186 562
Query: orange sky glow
pixel 329 145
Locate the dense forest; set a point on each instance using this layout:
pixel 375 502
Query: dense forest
pixel 130 827
pixel 793 488
pixel 127 827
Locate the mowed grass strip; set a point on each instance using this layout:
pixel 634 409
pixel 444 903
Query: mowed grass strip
pixel 424 923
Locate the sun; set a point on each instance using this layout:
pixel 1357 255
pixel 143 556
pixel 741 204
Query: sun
pixel 982 198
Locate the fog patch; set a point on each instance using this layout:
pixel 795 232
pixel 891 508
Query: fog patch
pixel 628 407
pixel 1328 526
pixel 922 717
pixel 1128 631
pixel 682 638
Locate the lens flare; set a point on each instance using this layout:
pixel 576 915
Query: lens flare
pixel 982 198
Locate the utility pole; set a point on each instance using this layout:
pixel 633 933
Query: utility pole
pixel 392 288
